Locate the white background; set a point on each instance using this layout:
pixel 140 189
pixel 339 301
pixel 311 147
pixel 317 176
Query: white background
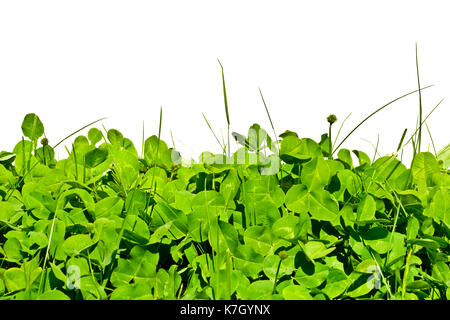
pixel 72 62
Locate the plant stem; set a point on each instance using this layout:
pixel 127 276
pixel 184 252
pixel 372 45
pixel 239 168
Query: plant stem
pixel 405 275
pixel 276 277
pixel 330 156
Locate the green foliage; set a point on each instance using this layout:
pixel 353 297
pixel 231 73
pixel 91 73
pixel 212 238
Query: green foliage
pixel 105 223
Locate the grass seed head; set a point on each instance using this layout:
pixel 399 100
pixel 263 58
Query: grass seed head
pixel 331 119
pixel 283 255
pixel 44 141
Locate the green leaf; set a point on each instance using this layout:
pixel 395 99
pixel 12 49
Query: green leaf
pixel 287 227
pixel 441 272
pixel 297 198
pixel 141 267
pixel 230 186
pixel 439 208
pixel 444 156
pixel 115 137
pixel 126 166
pixel 423 166
pixel 412 229
pixel 295 292
pixel 418 285
pixel 94 135
pixel 15 279
pixel 336 283
pixel 95 157
pixel 315 173
pixel 292 149
pixel 74 245
pixel 322 206
pixel 315 250
pixel 32 126
pixel 345 156
pixel 366 208
pixel 53 295
pixel 260 290
pixel 260 238
pixel 312 278
pixel 134 291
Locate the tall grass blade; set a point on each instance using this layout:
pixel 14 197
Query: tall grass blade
pixel 270 119
pixel 226 106
pixel 419 139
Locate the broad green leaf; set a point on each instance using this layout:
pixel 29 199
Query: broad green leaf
pixel 140 267
pixel 444 156
pixel 314 279
pixel 366 208
pixel 287 227
pixel 260 290
pixel 296 292
pixel 134 291
pixel 126 167
pixel 115 137
pixel 260 238
pixel 95 157
pixel 322 206
pixel 439 209
pixel 297 198
pixel 15 279
pixel 315 173
pixel 95 135
pixel 345 156
pixel 293 148
pixel 230 186
pixel 423 166
pixel 53 295
pixel 441 272
pixel 315 250
pixel 74 245
pixel 32 126
pixel 412 229
pixel 336 283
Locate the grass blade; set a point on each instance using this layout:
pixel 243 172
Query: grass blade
pixel 419 139
pixel 210 128
pixel 226 105
pixel 373 113
pixel 75 132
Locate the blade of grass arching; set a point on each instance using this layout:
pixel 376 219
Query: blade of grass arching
pixel 270 119
pixel 75 132
pixel 340 128
pixel 210 128
pixel 424 120
pixel 419 140
pixel 431 138
pixel 226 106
pixel 375 112
pixel 376 148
